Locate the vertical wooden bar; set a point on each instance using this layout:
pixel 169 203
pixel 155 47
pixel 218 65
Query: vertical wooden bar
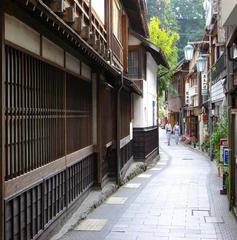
pixel 22 115
pixel 2 125
pixel 99 134
pixel 7 166
pixel 11 115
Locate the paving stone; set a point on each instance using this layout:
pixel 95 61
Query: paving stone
pixel 214 219
pixel 91 225
pixel 144 176
pixel 180 203
pixel 155 169
pixel 132 185
pixel 116 200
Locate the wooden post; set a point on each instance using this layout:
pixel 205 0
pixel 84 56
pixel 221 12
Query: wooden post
pixel 99 138
pixel 2 125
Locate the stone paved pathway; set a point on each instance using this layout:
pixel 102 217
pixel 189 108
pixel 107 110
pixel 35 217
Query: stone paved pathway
pixel 178 199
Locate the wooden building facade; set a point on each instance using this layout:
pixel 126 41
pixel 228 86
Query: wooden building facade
pixel 143 59
pixel 66 108
pixel 176 96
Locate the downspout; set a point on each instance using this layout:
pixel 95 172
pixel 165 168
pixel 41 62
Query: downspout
pixel 209 103
pixel 158 125
pixel 118 135
pixel 231 173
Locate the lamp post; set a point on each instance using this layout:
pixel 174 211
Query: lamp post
pixel 200 63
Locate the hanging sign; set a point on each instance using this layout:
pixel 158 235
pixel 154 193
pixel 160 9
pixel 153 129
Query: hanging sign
pixel 204 84
pixel 187 93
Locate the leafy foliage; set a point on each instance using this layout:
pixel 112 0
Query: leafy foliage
pixel 166 40
pixel 186 17
pixel 188 9
pixel 164 11
pixel 219 131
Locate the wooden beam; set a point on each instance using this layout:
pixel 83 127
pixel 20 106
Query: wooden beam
pixel 2 125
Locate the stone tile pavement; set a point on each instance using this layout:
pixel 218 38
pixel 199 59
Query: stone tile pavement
pixel 176 200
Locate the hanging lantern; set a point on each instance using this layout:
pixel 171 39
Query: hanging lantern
pixel 201 63
pixel 188 52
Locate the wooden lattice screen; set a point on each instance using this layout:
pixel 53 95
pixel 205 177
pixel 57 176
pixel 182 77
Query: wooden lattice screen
pixel 34 113
pixel 47 115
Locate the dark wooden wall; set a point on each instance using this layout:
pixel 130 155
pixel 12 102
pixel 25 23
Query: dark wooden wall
pixel 125 107
pixel 37 111
pixel 48 114
pixel 145 141
pixel 2 116
pixel 108 131
pixel 79 114
pixel 31 212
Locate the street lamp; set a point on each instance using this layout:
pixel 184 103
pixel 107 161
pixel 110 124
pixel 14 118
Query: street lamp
pixel 201 63
pixel 189 49
pixel 188 52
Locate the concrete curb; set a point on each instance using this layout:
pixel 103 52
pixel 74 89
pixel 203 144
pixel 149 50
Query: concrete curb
pixel 97 197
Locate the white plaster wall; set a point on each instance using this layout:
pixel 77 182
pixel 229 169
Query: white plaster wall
pixel 52 52
pixel 151 77
pixel 85 71
pixel 139 112
pixel 133 40
pixel 228 12
pixel 72 63
pixel 143 108
pixel 22 35
pixel 99 7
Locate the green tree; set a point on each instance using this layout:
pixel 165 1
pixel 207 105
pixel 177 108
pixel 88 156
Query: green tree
pixel 186 17
pixel 163 10
pixel 165 40
pixel 188 9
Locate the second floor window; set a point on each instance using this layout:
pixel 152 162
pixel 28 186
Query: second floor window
pixel 133 63
pixel 117 21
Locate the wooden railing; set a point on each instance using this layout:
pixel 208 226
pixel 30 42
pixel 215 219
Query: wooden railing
pixel 117 49
pixel 78 15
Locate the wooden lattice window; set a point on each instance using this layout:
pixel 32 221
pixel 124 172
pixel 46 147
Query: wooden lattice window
pixel 133 63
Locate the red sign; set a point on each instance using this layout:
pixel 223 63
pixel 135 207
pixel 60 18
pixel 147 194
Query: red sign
pixel 224 142
pixel 204 117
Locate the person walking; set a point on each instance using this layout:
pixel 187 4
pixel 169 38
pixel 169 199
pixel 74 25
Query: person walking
pixel 176 131
pixel 168 130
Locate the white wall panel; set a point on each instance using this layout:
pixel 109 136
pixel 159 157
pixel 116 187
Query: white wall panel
pixel 22 35
pixel 85 71
pixel 52 52
pixel 72 64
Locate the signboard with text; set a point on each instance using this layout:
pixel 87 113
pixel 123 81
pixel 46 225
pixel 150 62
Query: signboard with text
pixel 204 90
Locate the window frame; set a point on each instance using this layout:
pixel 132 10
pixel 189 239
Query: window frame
pixel 118 32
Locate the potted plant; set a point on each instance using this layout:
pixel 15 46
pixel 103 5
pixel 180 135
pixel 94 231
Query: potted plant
pixel 194 141
pixel 182 138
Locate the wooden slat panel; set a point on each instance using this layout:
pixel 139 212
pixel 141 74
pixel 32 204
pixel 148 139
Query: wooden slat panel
pixel 79 111
pixel 125 113
pixel 34 113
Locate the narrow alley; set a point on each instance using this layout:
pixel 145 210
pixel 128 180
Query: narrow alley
pixel 175 200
